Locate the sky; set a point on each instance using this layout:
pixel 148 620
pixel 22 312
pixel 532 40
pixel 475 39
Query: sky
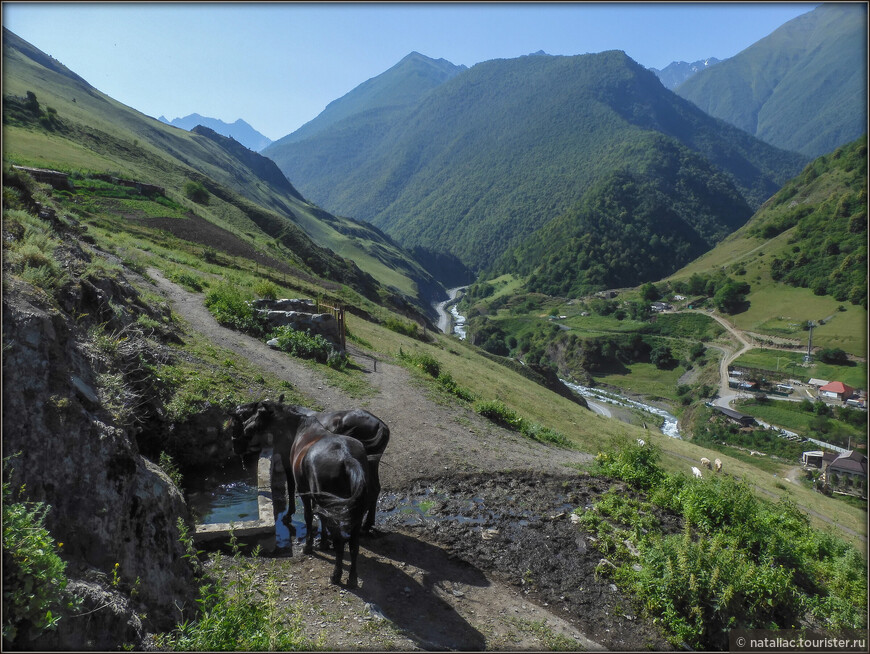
pixel 277 65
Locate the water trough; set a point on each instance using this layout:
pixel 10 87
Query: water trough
pixel 260 529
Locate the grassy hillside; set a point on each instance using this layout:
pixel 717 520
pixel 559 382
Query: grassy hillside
pixel 804 254
pixel 497 151
pixel 93 132
pixel 802 88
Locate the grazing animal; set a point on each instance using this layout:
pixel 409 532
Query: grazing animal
pixel 706 463
pixel 273 422
pixel 330 472
pixel 717 464
pixel 641 442
pixel 696 472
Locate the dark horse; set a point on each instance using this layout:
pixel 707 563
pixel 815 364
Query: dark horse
pixel 331 474
pixel 329 471
pixel 269 418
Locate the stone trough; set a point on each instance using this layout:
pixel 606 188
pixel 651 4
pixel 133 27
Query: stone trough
pixel 250 532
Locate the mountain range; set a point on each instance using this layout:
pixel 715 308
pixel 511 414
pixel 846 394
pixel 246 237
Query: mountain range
pixel 677 72
pixel 802 88
pixel 484 159
pixel 239 130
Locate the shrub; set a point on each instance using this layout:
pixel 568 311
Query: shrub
pixel 266 290
pixel 232 618
pixel 635 464
pixel 34 575
pixel 402 327
pixel 303 344
pixel 229 307
pixel 499 413
pixel 196 192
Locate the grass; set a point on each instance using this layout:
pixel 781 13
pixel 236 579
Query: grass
pixel 793 363
pixel 790 416
pixel 645 379
pixel 739 561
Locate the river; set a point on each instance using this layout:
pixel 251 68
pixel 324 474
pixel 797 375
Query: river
pixel 445 319
pixel 669 426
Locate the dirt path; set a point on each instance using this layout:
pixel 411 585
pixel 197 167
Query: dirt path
pixel 421 589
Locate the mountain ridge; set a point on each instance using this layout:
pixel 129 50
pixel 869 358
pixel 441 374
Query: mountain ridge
pixel 801 88
pixel 522 138
pixel 239 130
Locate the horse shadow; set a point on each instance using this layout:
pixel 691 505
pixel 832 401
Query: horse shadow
pixel 412 604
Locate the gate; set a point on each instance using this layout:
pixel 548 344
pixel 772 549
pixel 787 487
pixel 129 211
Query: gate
pixel 337 312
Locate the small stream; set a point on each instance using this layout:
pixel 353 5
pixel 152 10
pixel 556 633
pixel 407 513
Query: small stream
pixel 669 426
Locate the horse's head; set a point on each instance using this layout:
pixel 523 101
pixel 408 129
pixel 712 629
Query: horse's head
pixel 246 423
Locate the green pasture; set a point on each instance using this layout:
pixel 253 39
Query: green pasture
pixel 793 364
pixel 790 416
pixel 645 379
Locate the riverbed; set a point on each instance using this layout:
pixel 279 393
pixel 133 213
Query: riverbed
pixel 669 425
pixel 453 317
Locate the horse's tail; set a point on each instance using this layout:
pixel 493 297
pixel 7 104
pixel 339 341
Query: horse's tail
pixel 345 511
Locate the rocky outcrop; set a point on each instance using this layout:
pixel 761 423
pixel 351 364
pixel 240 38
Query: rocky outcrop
pixel 301 316
pixel 109 505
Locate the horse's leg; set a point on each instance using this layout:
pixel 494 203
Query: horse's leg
pixel 353 552
pixel 374 491
pixel 338 539
pixel 309 519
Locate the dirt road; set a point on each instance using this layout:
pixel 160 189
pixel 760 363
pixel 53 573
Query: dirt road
pixel 442 583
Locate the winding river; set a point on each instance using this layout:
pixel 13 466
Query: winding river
pixel 445 319
pixel 669 426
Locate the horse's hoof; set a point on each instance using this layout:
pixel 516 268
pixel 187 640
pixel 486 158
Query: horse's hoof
pixel 308 549
pixel 335 579
pixel 352 582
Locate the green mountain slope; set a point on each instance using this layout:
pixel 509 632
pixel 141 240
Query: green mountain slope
pixel 494 153
pixel 630 228
pixel 802 88
pixel 400 86
pixel 812 234
pixel 251 195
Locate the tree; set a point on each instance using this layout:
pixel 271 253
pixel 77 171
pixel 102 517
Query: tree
pixel 649 292
pixel 662 357
pixel 730 296
pixel 834 355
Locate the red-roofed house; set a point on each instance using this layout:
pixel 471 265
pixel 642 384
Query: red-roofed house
pixel 837 390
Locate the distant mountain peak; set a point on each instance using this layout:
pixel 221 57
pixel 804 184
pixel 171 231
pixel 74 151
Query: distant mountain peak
pixel 239 130
pixel 677 72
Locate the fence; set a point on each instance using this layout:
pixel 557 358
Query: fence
pixel 337 312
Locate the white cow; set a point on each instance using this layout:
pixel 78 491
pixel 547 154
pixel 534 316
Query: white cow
pixel 717 464
pixel 706 463
pixel 696 472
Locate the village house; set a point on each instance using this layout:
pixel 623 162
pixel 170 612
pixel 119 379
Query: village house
pixel 737 417
pixel 847 474
pixel 658 307
pixel 836 390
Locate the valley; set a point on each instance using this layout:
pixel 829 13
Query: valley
pixel 637 421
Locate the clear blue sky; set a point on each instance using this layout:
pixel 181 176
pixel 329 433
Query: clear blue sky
pixel 278 65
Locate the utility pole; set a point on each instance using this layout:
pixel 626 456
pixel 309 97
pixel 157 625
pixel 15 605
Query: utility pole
pixel 809 355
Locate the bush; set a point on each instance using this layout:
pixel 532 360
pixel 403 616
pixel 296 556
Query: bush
pixel 402 327
pixel 232 618
pixel 230 308
pixel 303 344
pixel 266 290
pixel 34 575
pixel 196 192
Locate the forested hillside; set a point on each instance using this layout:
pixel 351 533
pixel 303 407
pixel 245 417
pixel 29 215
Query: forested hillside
pixel 632 227
pixel 802 88
pixel 825 209
pixel 497 151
